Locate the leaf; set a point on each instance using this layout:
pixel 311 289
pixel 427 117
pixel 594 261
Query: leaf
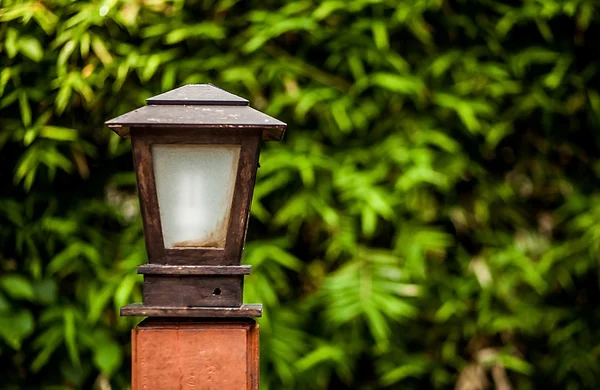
pixel 59 133
pixel 407 85
pixel 515 364
pixel 25 109
pixel 11 43
pixel 326 8
pixel 84 45
pixel 108 357
pixel 380 35
pixel 98 302
pixel 209 30
pixel 124 290
pixel 73 255
pixel 17 286
pixel 15 327
pixel 99 48
pixel 4 304
pixel 31 48
pixel 368 222
pixel 554 78
pixel 377 325
pixel 396 375
pixel 152 65
pixel 321 355
pixel 5 75
pixel 70 335
pixel 65 53
pixel 63 97
pixel 49 341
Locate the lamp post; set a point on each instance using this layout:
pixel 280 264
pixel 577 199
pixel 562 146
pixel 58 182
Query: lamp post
pixel 195 153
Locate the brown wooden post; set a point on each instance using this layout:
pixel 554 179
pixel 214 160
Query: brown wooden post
pixel 198 334
pixel 195 355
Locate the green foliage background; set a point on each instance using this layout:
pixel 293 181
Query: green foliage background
pixel 432 219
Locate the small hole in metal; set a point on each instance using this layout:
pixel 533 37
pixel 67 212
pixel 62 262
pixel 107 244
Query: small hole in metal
pixel 217 291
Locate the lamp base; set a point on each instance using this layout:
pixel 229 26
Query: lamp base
pixel 197 354
pixel 244 311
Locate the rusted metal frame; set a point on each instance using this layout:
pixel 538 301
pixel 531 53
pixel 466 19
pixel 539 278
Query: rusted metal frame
pixel 190 323
pixel 159 269
pixel 142 140
pixel 268 132
pixel 142 161
pixel 244 187
pixel 193 290
pixel 197 134
pixel 244 311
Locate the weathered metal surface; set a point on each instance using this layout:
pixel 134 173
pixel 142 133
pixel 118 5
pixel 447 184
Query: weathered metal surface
pixel 160 269
pixel 223 117
pixel 198 106
pixel 203 94
pixel 143 139
pixel 244 311
pixel 193 290
pixel 195 356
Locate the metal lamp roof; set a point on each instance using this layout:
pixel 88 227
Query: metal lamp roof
pixel 200 94
pixel 198 106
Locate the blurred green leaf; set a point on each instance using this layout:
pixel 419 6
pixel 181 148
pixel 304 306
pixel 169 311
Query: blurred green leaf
pixel 17 286
pixel 107 357
pixel 70 329
pixel 15 327
pixel 58 133
pixel 31 48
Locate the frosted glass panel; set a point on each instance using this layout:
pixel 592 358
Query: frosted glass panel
pixel 194 184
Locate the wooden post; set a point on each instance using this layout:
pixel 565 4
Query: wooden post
pixel 195 355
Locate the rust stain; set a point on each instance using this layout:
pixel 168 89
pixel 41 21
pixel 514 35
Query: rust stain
pixel 208 243
pixel 216 239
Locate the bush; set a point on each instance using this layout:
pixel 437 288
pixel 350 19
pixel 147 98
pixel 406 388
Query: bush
pixel 430 221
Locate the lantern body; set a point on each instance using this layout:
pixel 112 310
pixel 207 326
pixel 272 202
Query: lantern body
pixel 195 192
pixel 195 152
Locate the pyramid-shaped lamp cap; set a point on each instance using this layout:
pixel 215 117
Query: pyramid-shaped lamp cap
pixel 198 106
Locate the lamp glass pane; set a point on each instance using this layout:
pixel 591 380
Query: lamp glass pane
pixel 194 185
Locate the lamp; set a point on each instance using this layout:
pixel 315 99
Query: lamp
pixel 195 153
